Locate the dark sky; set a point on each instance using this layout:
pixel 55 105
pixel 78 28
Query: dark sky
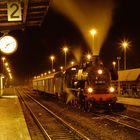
pixel 36 44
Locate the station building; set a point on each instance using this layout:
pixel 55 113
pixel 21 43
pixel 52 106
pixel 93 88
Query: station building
pixel 128 83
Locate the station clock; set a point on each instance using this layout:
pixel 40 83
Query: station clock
pixel 8 44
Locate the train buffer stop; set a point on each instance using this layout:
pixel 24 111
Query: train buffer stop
pixel 12 122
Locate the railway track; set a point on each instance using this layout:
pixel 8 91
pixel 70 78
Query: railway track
pixel 52 126
pixel 125 120
pixel 95 126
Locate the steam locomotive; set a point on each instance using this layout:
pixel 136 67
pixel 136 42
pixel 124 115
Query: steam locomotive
pixel 87 84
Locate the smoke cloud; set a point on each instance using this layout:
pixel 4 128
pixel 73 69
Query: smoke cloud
pixel 86 15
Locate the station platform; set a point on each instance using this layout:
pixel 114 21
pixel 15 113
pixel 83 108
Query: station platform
pixel 129 101
pixel 12 122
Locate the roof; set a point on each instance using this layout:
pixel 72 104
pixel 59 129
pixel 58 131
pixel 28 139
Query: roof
pixel 32 12
pixel 129 75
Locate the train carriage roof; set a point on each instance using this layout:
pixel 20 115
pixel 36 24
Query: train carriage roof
pixel 49 76
pixel 59 74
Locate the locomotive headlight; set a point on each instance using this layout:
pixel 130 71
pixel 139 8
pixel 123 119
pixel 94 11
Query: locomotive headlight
pixel 100 71
pixel 90 90
pixel 111 89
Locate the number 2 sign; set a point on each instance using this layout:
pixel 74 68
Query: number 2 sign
pixel 14 10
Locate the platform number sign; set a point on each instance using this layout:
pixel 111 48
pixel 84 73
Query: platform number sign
pixel 14 10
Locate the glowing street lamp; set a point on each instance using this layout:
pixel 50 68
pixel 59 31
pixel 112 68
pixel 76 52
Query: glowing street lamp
pixel 125 45
pixel 6 64
pixel 88 57
pixel 61 68
pixel 65 49
pixel 3 59
pixel 72 63
pixel 114 64
pixel 93 32
pixel 8 69
pixel 52 59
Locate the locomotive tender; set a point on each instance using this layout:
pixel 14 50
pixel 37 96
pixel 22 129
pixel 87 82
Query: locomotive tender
pixel 92 80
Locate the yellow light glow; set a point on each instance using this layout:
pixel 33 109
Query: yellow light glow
pixel 61 67
pixel 52 57
pixel 93 32
pixel 114 63
pixel 3 58
pixel 88 56
pixel 90 90
pixel 111 89
pixel 125 44
pixel 100 71
pixel 65 49
pixel 6 64
pixel 72 63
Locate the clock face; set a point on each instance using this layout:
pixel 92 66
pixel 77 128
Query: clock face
pixel 8 44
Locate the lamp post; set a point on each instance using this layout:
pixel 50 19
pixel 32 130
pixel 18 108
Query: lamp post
pixel 65 49
pixel 93 32
pixel 3 59
pixel 52 59
pixel 125 45
pixel 118 58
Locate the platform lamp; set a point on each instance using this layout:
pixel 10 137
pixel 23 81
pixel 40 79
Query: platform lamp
pixel 3 59
pixel 93 32
pixel 52 59
pixel 65 49
pixel 125 45
pixel 114 64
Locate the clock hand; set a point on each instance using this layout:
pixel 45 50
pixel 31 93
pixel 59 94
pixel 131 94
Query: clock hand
pixel 8 44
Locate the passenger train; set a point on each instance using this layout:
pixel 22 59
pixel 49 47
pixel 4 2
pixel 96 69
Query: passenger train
pixel 87 84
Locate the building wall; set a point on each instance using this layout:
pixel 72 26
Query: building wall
pixel 128 88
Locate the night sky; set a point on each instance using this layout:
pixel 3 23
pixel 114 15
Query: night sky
pixel 36 44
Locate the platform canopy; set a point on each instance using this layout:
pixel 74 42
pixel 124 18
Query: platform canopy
pixel 129 75
pixel 19 14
